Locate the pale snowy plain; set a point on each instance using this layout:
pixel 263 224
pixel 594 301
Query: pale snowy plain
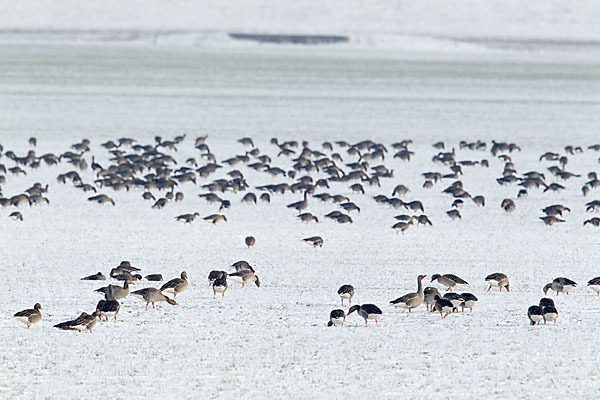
pixel 272 341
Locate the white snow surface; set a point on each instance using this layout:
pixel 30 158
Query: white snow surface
pixel 405 24
pixel 272 341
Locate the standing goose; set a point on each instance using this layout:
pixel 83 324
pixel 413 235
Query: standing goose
pixel 250 241
pixel 214 275
pixel 560 285
pixel 85 322
pixel 429 297
pixel 594 284
pixel 96 277
pixel 498 279
pixel 30 316
pixel 346 292
pixel 411 300
pixel 118 292
pixel 449 280
pixel 315 241
pixel 244 276
pixel 300 205
pixel 455 298
pixel 469 301
pixel 534 313
pixel 153 295
pixel 109 307
pixel 176 285
pixel 443 306
pixel 367 311
pixel 220 285
pixel 336 317
pixel 550 314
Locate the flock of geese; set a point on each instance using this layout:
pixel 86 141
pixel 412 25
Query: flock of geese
pixel 354 169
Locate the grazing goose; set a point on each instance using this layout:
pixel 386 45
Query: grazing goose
pixel 109 307
pixel 594 284
pixel 315 241
pixel 443 306
pixel 336 317
pixel 220 285
pixel 535 315
pixel 469 300
pixel 449 281
pixel 244 276
pixel 411 300
pixel 153 295
pixel 154 277
pixel 118 292
pixel 176 285
pixel 550 314
pixel 30 316
pixel 250 241
pixel 429 297
pixel 214 218
pixel 126 276
pixel 455 298
pixel 560 285
pixel 346 292
pixel 214 275
pixel 96 277
pixel 101 199
pixel 85 322
pixel 16 215
pixel 497 279
pixel 187 218
pixel 545 302
pixel 367 311
pixel 242 265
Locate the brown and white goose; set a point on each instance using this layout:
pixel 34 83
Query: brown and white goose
pixel 560 285
pixel 118 292
pixel 367 311
pixel 153 295
pixel 85 322
pixel 30 316
pixel 96 277
pixel 336 317
pixel 109 307
pixel 449 281
pixel 411 300
pixel 346 292
pixel 244 276
pixel 499 280
pixel 176 285
pixel 220 285
pixel 429 296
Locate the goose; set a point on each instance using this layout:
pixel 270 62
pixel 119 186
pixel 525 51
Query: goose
pixel 336 317
pixel 449 281
pixel 550 313
pixel 594 284
pixel 214 275
pixel 497 279
pixel 101 199
pixel 455 298
pixel 535 315
pixel 469 301
pixel 346 292
pixel 126 266
pixel 176 285
pixel 16 215
pixel 315 241
pixel 30 316
pixel 153 295
pixel 187 218
pixel 118 292
pixel 214 218
pixel 242 265
pixel 307 217
pixel 244 276
pixel 220 285
pixel 367 311
pixel 126 276
pixel 454 214
pixel 154 277
pixel 96 277
pixel 429 297
pixel 109 307
pixel 411 300
pixel 300 205
pixel 560 285
pixel 443 306
pixel 545 302
pixel 85 322
pixel 250 241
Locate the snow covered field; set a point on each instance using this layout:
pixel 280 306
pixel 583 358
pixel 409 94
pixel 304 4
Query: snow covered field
pixel 272 341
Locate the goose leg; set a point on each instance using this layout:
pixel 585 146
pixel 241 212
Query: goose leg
pixel 214 295
pixel 489 288
pixel 223 295
pixel 147 306
pixel 153 305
